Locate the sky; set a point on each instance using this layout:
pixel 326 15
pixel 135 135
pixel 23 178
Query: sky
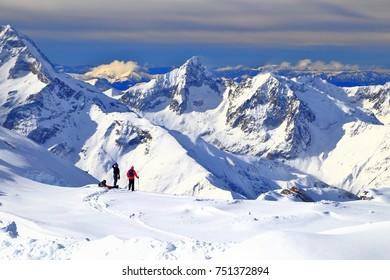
pixel 222 32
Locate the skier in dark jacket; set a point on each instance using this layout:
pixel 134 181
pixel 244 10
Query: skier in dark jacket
pixel 104 184
pixel 116 172
pixel 131 174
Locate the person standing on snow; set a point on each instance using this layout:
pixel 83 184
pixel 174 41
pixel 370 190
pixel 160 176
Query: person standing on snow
pixel 116 171
pixel 131 174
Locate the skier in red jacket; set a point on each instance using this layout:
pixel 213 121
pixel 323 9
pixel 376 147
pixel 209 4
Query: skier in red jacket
pixel 131 174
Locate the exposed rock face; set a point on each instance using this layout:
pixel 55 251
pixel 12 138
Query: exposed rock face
pixel 175 90
pixel 265 103
pixel 376 97
pixel 36 101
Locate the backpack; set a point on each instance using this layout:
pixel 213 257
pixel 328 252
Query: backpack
pixel 130 173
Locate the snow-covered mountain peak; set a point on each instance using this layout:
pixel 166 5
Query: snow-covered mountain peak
pixel 21 56
pixel 46 106
pixel 267 106
pixel 374 98
pixel 5 29
pixel 188 88
pixel 191 73
pixel 14 43
pixel 193 61
pixel 194 67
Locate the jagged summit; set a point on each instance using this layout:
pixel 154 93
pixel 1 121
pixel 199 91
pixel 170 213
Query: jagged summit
pixel 46 106
pixel 193 61
pixel 267 106
pixel 8 31
pixel 28 57
pixel 188 88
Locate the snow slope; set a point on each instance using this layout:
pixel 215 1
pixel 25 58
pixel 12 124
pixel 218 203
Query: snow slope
pixel 39 219
pixel 31 162
pixel 90 223
pixel 304 125
pixel 50 108
pixel 42 219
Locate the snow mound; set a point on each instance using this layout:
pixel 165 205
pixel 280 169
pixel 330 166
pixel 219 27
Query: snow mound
pixel 358 243
pixel 10 229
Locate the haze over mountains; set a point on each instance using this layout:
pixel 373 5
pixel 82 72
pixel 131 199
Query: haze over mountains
pixel 122 75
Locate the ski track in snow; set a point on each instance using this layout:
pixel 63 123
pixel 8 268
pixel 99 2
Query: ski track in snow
pixel 135 218
pixel 92 200
pixel 330 222
pixel 24 247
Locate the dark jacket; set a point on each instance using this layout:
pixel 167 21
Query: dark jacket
pixel 115 170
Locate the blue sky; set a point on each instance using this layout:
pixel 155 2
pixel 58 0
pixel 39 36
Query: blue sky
pixel 223 32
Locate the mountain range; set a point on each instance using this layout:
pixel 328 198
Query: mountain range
pixel 122 75
pixel 51 210
pixel 191 132
pixel 342 78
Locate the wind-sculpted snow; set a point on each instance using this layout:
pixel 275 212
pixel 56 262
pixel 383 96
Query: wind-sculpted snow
pixel 99 224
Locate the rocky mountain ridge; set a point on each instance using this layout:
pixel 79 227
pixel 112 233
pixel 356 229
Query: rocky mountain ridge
pixel 197 134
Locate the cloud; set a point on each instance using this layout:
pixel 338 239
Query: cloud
pixel 118 71
pixel 238 38
pixel 284 29
pixel 309 65
pixel 301 65
pixel 231 68
pixel 299 22
pixel 115 67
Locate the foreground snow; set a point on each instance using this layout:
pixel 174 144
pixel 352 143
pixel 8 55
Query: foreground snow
pixel 46 222
pixel 49 209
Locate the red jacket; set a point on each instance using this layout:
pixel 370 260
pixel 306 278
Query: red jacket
pixel 103 184
pixel 132 174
